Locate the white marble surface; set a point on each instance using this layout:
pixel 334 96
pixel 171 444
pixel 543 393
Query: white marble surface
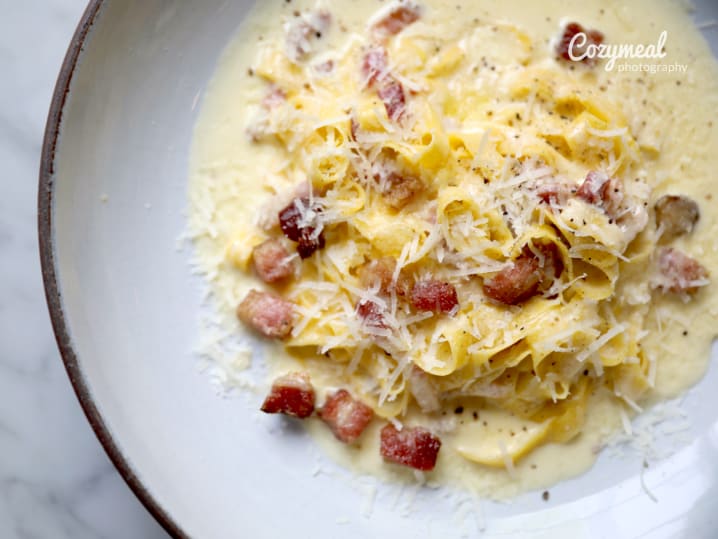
pixel 55 479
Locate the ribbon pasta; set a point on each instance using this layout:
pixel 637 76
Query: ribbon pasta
pixel 482 143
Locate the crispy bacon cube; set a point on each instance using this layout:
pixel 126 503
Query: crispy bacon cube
pixel 676 215
pixel 371 314
pixel 374 68
pixel 272 261
pixel 296 217
pixel 374 65
pixel 299 222
pixel 346 416
pixel 267 314
pixel 515 283
pixel 679 273
pixel 399 16
pixel 526 276
pixel 414 447
pixel 391 92
pixel 308 244
pixel 435 296
pixel 291 394
pixel 570 31
pixel 593 187
pixel 602 191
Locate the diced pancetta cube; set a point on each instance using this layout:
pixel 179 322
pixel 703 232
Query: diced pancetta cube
pixel 346 416
pixel 398 17
pixel 528 275
pixel 592 188
pixel 375 74
pixel 309 243
pixel 603 191
pixel 676 215
pixel 392 94
pixel 291 394
pixel 267 314
pixel 371 314
pixel 381 272
pixel 571 30
pixel 679 273
pixel 435 296
pixel 414 447
pixel 272 262
pixel 515 283
pixel 374 65
pixel 299 222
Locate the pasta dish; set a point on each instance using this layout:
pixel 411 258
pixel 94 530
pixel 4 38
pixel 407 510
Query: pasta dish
pixel 451 230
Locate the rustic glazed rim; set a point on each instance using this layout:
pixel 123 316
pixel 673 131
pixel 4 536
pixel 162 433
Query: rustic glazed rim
pixel 49 273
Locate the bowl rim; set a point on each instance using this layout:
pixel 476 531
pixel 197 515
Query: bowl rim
pixel 48 265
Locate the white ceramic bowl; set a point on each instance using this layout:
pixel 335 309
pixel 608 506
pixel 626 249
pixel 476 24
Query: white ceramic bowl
pixel 124 307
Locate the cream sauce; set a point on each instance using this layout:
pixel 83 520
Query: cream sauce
pixel 226 187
